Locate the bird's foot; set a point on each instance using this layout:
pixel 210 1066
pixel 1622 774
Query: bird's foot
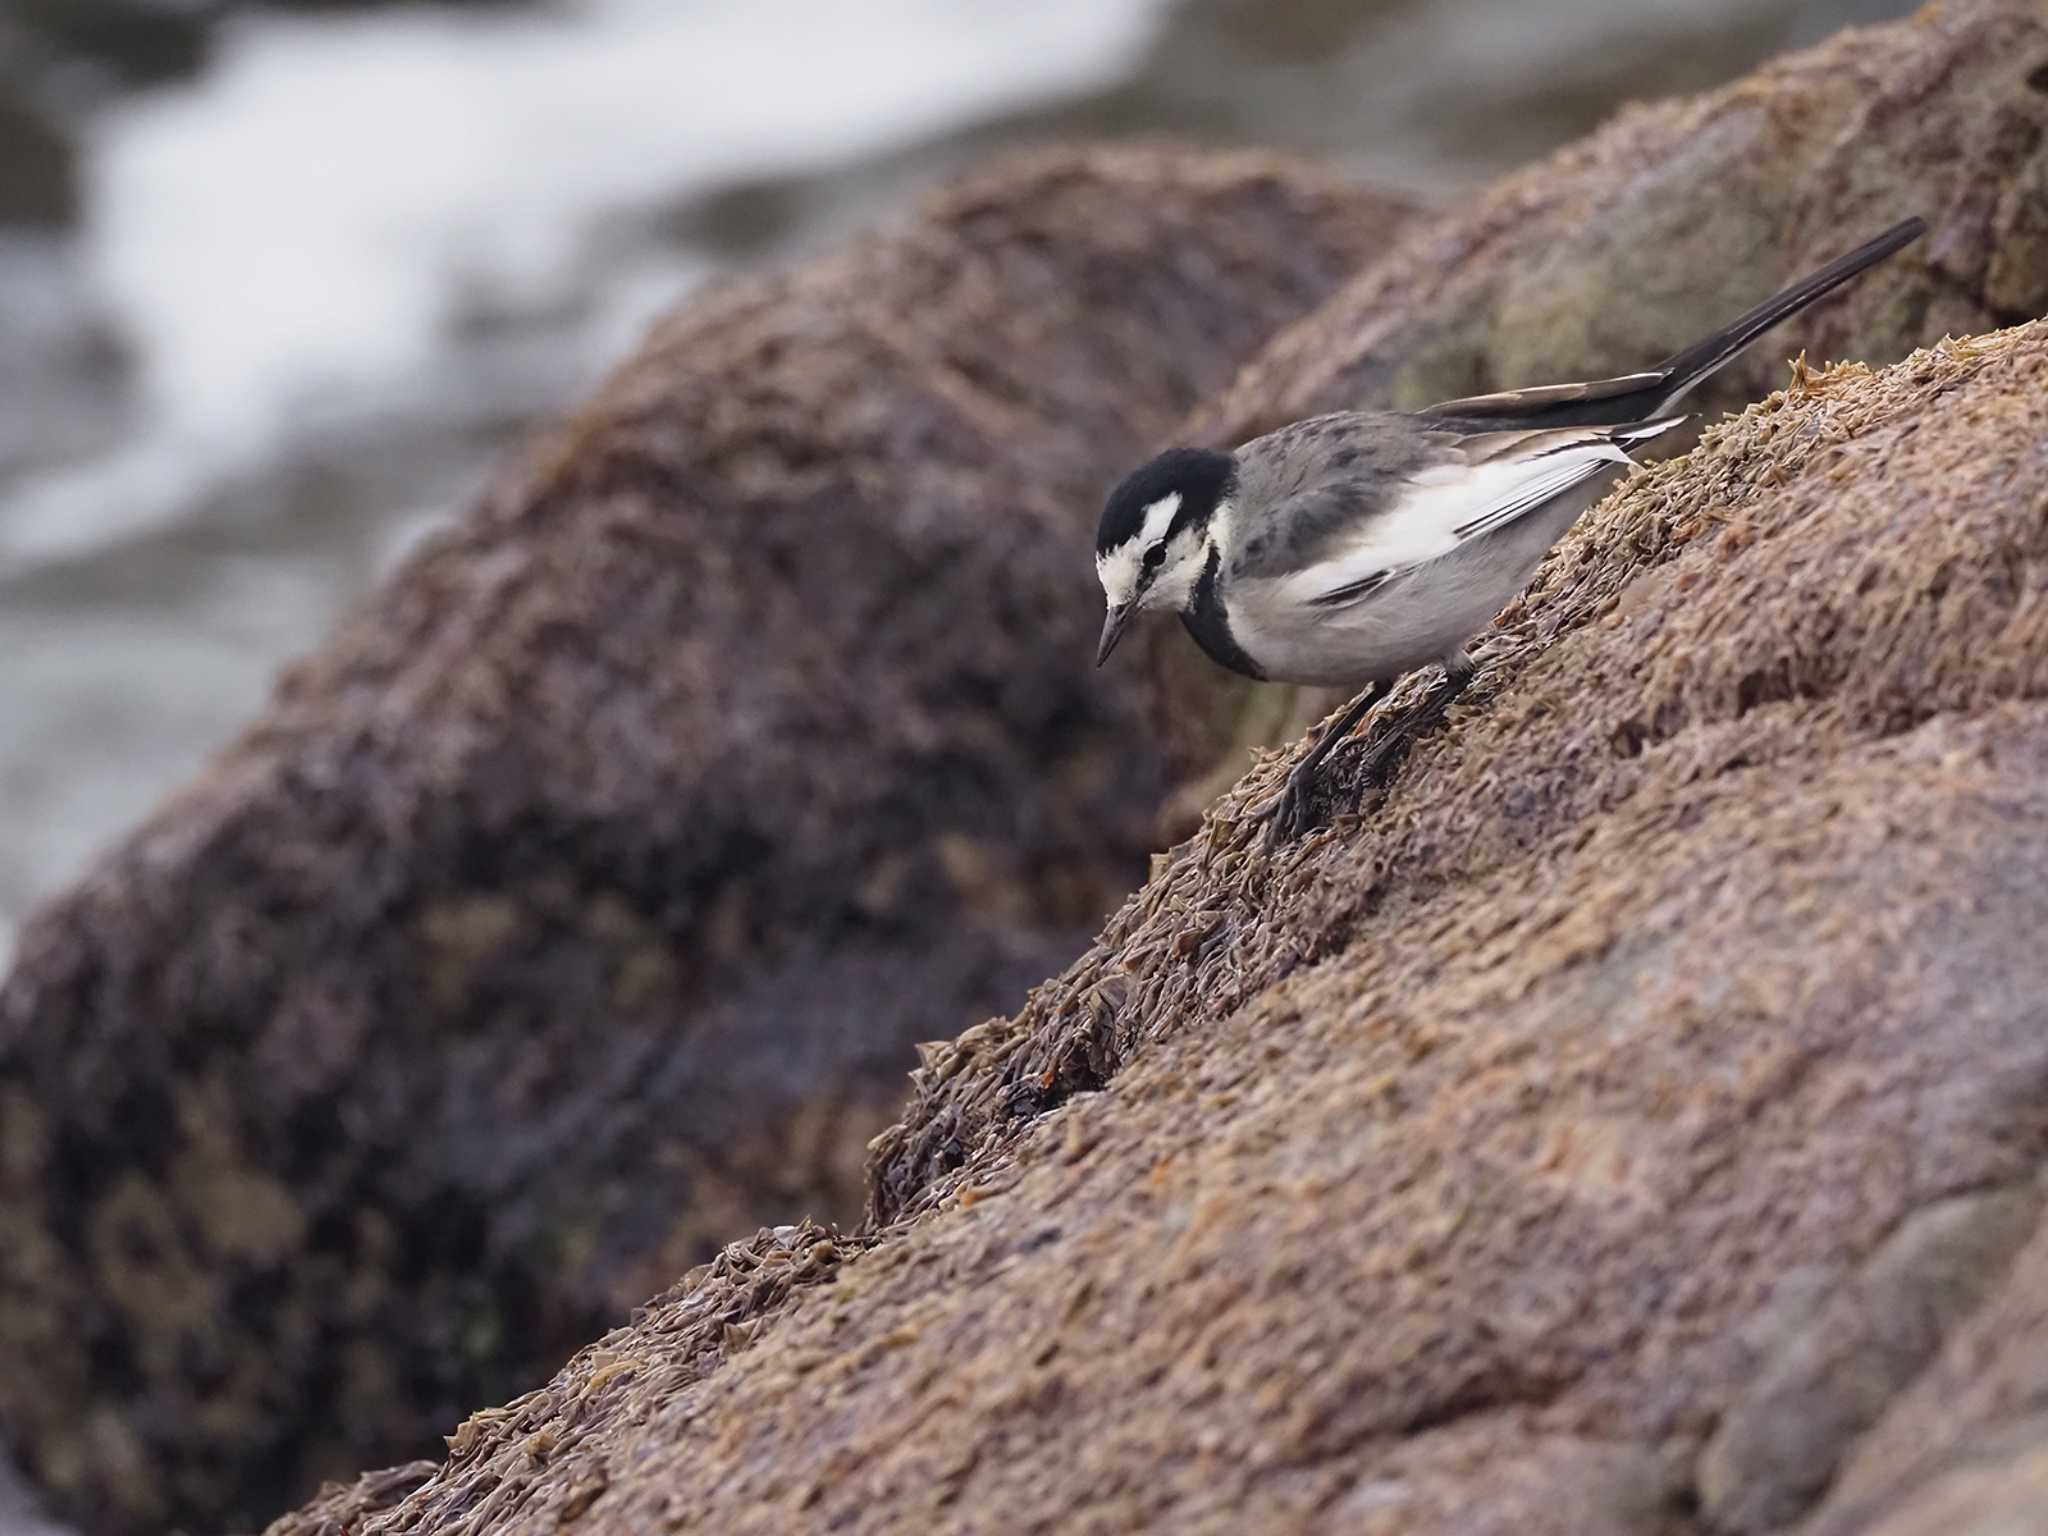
pixel 1377 768
pixel 1289 814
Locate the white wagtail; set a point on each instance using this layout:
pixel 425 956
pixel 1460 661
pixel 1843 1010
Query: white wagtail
pixel 1352 548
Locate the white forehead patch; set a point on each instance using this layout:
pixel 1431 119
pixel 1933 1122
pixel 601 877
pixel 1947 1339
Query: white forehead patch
pixel 1120 568
pixel 1158 518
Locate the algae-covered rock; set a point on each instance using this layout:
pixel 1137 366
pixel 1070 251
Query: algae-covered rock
pixel 1657 1064
pixel 1473 1165
pixel 1996 1485
pixel 576 906
pixel 1830 1374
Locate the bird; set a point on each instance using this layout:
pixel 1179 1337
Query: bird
pixel 1352 548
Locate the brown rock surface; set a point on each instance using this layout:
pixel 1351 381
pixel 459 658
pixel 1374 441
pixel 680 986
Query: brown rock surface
pixel 576 906
pixel 1967 1447
pixel 1477 1165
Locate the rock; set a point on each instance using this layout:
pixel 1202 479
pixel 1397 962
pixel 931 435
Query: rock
pixel 1918 95
pixel 1828 1375
pixel 1995 1486
pixel 1677 216
pixel 133 42
pixel 145 42
pixel 1433 1175
pixel 1967 1446
pixel 38 166
pixel 576 906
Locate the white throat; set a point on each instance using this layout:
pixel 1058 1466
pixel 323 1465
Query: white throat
pixel 1186 556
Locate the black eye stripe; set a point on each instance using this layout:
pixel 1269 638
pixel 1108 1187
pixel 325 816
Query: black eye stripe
pixel 1155 557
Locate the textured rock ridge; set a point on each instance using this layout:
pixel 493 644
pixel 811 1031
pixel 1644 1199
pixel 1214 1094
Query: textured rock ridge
pixel 1679 215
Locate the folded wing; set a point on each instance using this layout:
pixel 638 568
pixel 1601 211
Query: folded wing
pixel 1485 482
pixel 1529 406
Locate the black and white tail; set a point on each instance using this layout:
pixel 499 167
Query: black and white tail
pixel 1683 370
pixel 1636 396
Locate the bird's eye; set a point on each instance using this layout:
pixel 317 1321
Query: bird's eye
pixel 1155 557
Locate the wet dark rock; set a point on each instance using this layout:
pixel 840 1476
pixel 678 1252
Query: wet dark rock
pixel 577 905
pixel 133 43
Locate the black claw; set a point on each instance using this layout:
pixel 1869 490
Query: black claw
pixel 1291 815
pixel 1291 812
pixel 1385 757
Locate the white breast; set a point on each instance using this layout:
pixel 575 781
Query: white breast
pixel 1419 617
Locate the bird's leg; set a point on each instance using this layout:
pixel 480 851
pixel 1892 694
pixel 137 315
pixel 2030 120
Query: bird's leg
pixel 1386 755
pixel 1290 809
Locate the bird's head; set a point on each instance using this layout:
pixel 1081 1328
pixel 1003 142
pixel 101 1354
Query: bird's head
pixel 1156 532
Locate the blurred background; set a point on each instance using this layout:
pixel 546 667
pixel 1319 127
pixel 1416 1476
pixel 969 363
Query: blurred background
pixel 279 282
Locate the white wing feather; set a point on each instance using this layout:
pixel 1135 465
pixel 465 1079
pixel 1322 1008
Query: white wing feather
pixel 1442 506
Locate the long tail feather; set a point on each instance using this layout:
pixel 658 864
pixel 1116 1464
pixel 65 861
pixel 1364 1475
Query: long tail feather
pixel 1684 370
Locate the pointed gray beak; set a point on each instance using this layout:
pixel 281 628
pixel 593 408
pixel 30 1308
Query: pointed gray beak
pixel 1112 627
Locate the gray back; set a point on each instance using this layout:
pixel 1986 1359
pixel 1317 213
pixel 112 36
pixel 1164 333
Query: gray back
pixel 1302 491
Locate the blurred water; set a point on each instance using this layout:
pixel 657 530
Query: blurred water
pixel 297 236
pixel 343 265
pixel 313 290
